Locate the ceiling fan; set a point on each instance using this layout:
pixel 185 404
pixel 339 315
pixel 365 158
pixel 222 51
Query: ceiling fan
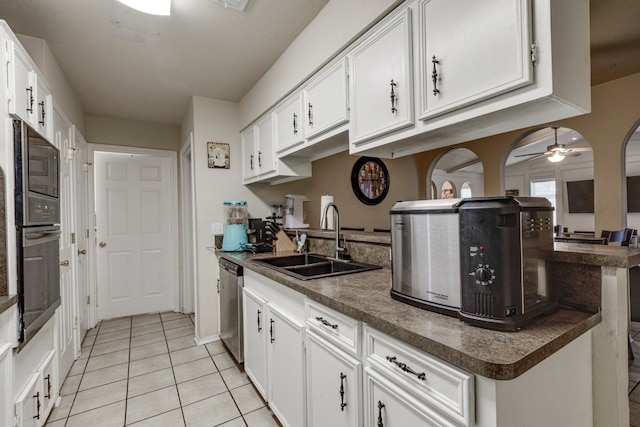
pixel 557 152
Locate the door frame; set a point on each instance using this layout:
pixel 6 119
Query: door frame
pixel 105 148
pixel 188 222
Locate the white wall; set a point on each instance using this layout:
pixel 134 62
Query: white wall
pixel 337 24
pixel 61 90
pixel 216 121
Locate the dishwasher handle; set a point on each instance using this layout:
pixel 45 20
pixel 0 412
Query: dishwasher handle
pixel 230 267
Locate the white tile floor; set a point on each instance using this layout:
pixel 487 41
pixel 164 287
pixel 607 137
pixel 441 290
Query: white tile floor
pixel 147 371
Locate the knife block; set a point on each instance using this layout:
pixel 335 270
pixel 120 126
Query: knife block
pixel 284 243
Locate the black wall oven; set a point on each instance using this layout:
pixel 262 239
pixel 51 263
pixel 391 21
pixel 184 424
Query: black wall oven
pixel 37 208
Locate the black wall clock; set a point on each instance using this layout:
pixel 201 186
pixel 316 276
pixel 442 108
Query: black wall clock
pixel 370 180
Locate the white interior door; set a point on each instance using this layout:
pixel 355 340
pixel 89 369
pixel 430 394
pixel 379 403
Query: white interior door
pixel 67 342
pixel 82 230
pixel 136 260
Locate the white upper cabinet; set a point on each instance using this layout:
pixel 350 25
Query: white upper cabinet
pixel 43 109
pixel 21 83
pixel 325 100
pixel 382 80
pixel 472 56
pixel 289 123
pixel 249 165
pixel 264 145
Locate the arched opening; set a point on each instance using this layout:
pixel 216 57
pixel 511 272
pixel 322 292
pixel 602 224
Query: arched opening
pixel 456 166
pixel 556 163
pixel 632 173
pixel 448 190
pixel 466 191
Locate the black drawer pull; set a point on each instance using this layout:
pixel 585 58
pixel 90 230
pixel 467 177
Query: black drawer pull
pixel 327 323
pixel 421 376
pixel 380 406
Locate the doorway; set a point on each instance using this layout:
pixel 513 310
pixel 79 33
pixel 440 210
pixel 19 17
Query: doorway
pixel 136 223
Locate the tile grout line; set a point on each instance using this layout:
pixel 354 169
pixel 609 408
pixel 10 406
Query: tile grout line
pixel 175 380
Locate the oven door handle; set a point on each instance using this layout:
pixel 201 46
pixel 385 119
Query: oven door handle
pixel 37 237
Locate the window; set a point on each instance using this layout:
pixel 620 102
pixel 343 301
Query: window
pixel 465 190
pixel 545 188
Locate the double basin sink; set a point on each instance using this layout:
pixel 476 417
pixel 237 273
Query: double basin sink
pixel 313 266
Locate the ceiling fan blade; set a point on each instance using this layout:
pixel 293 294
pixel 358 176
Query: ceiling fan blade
pixel 530 154
pixel 580 149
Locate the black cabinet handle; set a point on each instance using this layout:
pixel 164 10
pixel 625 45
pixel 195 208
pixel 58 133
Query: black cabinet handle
pixel 251 161
pixel 271 337
pixel 42 113
pixel 310 114
pixel 37 397
pixel 380 406
pixel 30 99
pixel 295 124
pixel 326 323
pixel 393 97
pixel 259 159
pixel 434 76
pixel 258 318
pixel 48 395
pixel 342 403
pixel 421 376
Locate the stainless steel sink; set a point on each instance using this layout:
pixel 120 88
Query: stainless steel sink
pixel 313 266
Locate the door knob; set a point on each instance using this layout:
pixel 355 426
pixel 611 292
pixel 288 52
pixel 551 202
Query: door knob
pixel 102 244
pixel 82 251
pixel 64 263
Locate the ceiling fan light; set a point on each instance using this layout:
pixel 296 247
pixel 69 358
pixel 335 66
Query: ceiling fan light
pixel 555 157
pixel 152 7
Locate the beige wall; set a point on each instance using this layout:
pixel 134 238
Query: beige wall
pixel 332 175
pixel 615 114
pixel 131 133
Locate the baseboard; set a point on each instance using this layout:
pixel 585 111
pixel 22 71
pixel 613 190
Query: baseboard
pixel 206 340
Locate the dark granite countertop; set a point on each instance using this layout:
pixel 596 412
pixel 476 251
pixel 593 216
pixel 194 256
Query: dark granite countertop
pixel 7 301
pixel 492 354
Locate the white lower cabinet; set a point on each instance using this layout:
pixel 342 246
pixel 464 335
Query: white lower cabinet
pixel 388 405
pixel 49 378
pixel 333 385
pixel 285 365
pixel 6 404
pixel 255 348
pixel 29 405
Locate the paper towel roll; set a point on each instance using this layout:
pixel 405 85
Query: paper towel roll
pixel 324 201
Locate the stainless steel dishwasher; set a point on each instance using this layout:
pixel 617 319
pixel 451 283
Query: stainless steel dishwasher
pixel 231 283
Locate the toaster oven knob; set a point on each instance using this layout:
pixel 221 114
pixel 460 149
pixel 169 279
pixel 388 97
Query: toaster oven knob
pixel 483 275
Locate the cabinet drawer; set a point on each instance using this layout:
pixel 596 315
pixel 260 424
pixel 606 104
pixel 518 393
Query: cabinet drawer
pixel 336 327
pixel 446 388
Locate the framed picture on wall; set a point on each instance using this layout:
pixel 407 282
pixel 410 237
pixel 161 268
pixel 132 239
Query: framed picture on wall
pixel 218 155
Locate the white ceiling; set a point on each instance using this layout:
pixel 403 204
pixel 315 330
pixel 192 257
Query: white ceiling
pixel 123 64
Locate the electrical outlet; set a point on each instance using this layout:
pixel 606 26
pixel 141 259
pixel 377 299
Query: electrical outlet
pixel 216 228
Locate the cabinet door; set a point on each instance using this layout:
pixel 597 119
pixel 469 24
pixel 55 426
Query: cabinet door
pixel 326 100
pixel 387 405
pixel 381 80
pixel 471 56
pixel 43 109
pixel 333 385
pixel 49 378
pixel 286 368
pixel 6 404
pixel 288 122
pixel 29 409
pixel 21 79
pixel 255 346
pixel 264 138
pixel 249 165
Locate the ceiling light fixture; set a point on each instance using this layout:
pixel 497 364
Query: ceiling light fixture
pixel 555 157
pixel 152 7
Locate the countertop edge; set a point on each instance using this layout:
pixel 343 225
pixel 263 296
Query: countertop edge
pixel 7 301
pixel 463 359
